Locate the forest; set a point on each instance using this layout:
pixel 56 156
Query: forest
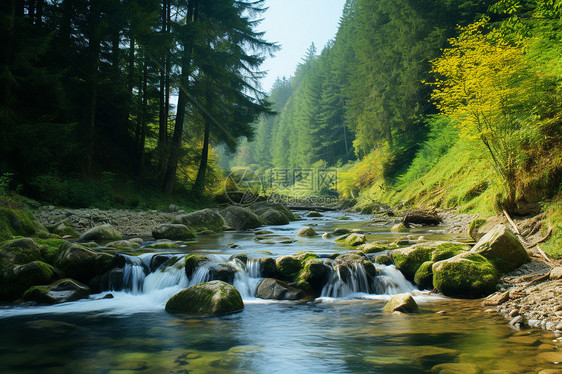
pixel 438 103
pixel 100 95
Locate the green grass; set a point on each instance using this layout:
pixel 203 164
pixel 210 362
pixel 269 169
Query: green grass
pixel 553 246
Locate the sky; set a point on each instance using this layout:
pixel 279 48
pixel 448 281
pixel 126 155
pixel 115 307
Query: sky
pixel 294 25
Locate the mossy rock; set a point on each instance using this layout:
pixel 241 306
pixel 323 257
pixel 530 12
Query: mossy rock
pixel 103 233
pixel 467 275
pixel 275 289
pixel 223 271
pixel 50 248
pixel 206 219
pixel 61 291
pixel 240 218
pixel 173 232
pixel 304 256
pixel 307 232
pixel 404 303
pixel 206 299
pixel 315 273
pixel 123 244
pixel 274 217
pixel 260 208
pixel 383 259
pixel 399 228
pixel 164 245
pixel 314 214
pixel 288 267
pixel 409 259
pixel 82 263
pixel 474 226
pixel 341 231
pixel 18 222
pixel 424 276
pixel 355 239
pixel 192 262
pixel 502 248
pixel 267 266
pixel 62 228
pixel 371 248
pixel 25 276
pixel 344 218
pixel 448 250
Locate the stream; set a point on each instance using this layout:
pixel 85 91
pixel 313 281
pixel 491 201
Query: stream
pixel 343 331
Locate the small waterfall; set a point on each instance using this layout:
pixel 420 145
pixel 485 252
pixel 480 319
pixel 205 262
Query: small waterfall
pixel 166 276
pixel 246 281
pixel 349 279
pixel 134 274
pixel 200 275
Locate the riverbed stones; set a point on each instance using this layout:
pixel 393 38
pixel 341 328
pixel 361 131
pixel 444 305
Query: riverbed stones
pixel 274 289
pixel 404 303
pixel 496 299
pixel 61 291
pixel 457 368
pixel 173 232
pixel 399 228
pixel 101 233
pixel 205 219
pixel 555 273
pixel 306 232
pixel 206 299
pixel 240 218
pixel 467 275
pixel 502 248
pixel 409 259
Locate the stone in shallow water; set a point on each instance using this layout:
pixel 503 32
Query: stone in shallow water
pixel 274 289
pixel 206 299
pixel 402 303
pixel 455 368
pixel 552 357
pixel 524 340
pixel 306 232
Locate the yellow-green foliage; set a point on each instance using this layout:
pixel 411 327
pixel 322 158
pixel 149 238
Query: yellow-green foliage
pixel 553 247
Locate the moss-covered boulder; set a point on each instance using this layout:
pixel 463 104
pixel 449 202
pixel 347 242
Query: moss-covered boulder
pixel 173 232
pixel 371 248
pixel 206 219
pixel 240 218
pixel 502 248
pixel 444 251
pixel 314 214
pixel 61 291
pixel 424 276
pixel 307 232
pixel 82 263
pixel 123 244
pixel 102 233
pixel 262 207
pixel 274 289
pixel 409 259
pixel 481 226
pixel 274 217
pixel 19 222
pixel 288 267
pixel 267 267
pixel 206 299
pixel 355 239
pixel 194 261
pixel 24 276
pixel 316 273
pixel 404 303
pixel 223 271
pixel 468 275
pixel 341 231
pixel 383 259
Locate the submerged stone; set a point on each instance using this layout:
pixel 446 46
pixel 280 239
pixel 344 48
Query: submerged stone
pixel 206 299
pixel 274 289
pixel 61 291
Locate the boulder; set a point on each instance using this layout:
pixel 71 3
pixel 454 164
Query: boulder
pixel 267 267
pixel 409 259
pixel 206 219
pixel 383 259
pixel 287 267
pixel 448 250
pixel 262 207
pixel 341 231
pixel 556 273
pixel 306 232
pixel 240 218
pixel 274 289
pixel 404 303
pixel 62 228
pixel 123 244
pixel 14 222
pixel 83 264
pixel 424 276
pixel 61 291
pixel 224 272
pixel 502 248
pixel 173 232
pixel 206 299
pixel 274 217
pixel 481 226
pixel 355 240
pixel 467 275
pixel 315 273
pixel 194 261
pixel 102 233
pixel 456 368
pixel 13 254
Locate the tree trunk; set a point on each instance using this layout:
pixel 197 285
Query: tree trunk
pixel 202 171
pixel 143 115
pixel 175 149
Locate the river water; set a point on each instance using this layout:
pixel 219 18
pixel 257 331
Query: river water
pixel 345 331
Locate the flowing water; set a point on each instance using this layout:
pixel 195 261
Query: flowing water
pixel 343 331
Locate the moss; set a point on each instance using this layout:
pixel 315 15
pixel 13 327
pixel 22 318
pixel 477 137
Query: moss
pixel 15 222
pixel 344 218
pixel 202 300
pixel 192 262
pixel 553 246
pixel 164 245
pixel 476 224
pixel 466 275
pixel 384 260
pixel 50 248
pixel 447 250
pixel 288 267
pixel 409 259
pixel 314 273
pixel 424 276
